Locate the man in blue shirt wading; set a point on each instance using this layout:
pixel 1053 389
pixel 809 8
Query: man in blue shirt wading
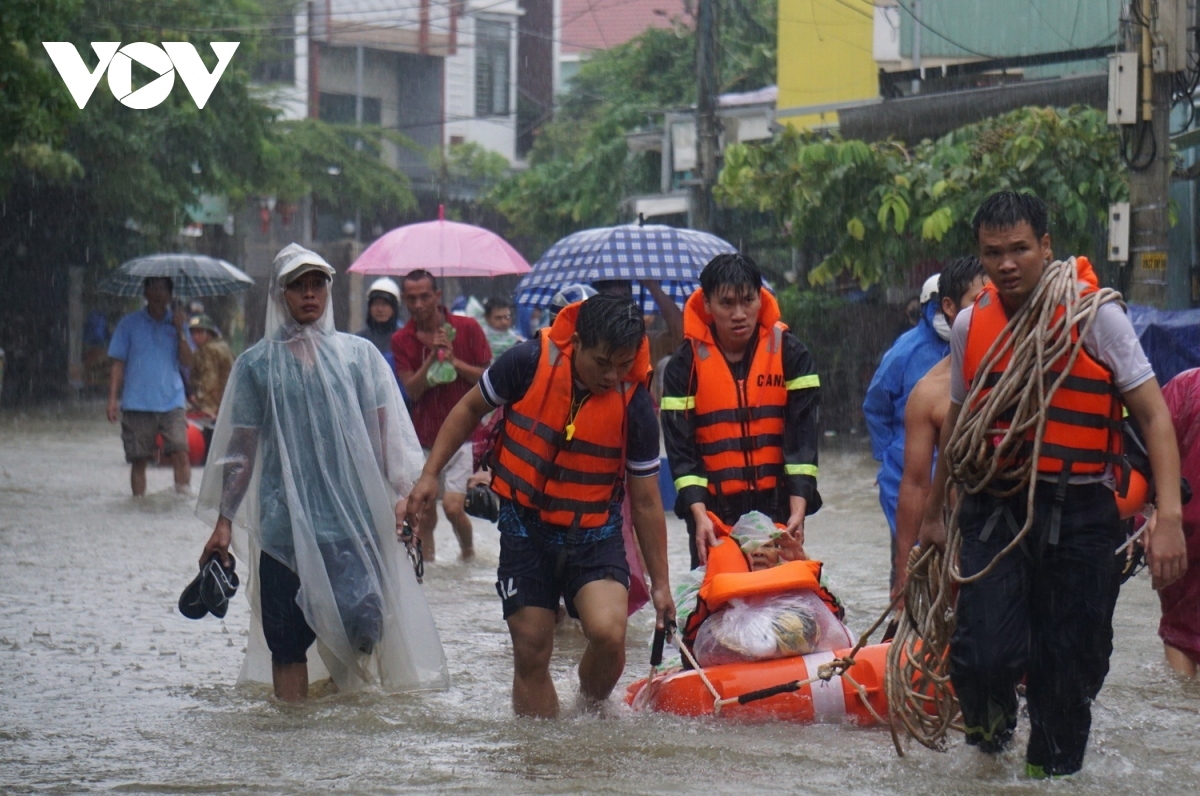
pixel 146 389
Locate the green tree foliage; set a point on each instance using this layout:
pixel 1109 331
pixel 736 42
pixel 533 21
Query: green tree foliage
pixel 119 169
pixel 580 166
pixel 869 211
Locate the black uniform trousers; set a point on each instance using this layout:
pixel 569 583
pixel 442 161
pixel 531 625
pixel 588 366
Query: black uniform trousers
pixel 1043 613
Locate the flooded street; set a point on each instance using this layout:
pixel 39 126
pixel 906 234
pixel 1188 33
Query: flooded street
pixel 106 687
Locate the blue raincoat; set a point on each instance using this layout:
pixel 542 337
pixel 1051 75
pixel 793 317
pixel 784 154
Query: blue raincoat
pixel 909 358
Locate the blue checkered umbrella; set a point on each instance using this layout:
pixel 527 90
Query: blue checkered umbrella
pixel 192 274
pixel 673 257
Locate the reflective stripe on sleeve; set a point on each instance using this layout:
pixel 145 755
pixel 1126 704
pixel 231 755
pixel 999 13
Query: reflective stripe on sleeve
pixel 801 469
pixel 691 480
pixel 804 382
pixel 678 404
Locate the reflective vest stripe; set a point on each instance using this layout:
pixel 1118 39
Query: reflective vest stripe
pixel 670 404
pixel 739 444
pixel 572 483
pixel 690 480
pixel 804 382
pixel 1073 383
pixel 739 415
pixel 540 500
pixel 556 471
pixel 559 440
pixel 1082 428
pixel 801 469
pixel 749 473
pixel 1067 453
pixel 1076 418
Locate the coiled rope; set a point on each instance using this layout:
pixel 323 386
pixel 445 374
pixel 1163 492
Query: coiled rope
pixel 986 453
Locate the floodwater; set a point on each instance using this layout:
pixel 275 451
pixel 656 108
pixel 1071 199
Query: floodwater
pixel 105 687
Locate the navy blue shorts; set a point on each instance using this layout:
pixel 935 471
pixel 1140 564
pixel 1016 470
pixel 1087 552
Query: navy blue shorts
pixel 536 573
pixel 287 631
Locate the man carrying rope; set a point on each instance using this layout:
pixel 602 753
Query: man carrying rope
pixel 1040 367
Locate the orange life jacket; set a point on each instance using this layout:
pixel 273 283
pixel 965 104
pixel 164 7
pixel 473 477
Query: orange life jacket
pixel 738 424
pixel 1083 426
pixel 728 576
pixel 567 466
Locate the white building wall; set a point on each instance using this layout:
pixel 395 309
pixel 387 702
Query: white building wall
pixel 495 133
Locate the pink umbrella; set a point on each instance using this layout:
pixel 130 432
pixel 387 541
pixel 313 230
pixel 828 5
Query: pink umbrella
pixel 444 248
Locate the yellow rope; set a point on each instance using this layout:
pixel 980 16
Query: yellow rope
pixel 984 456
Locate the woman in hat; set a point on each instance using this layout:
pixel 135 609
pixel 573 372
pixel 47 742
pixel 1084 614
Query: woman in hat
pixel 312 458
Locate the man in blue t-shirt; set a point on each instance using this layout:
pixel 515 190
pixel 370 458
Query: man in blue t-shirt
pixel 145 390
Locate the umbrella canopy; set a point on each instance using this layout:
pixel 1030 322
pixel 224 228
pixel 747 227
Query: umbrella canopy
pixel 443 248
pixel 192 274
pixel 674 257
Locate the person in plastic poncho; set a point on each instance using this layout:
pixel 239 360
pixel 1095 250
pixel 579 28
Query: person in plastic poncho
pixel 909 359
pixel 312 456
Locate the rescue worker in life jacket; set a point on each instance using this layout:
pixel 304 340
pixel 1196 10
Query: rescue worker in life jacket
pixel 578 429
pixel 1045 611
pixel 739 409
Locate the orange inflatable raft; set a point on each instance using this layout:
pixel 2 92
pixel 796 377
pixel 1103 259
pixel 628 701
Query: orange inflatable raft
pixel 683 692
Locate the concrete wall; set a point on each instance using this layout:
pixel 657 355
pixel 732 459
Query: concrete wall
pixel 825 56
pixel 496 133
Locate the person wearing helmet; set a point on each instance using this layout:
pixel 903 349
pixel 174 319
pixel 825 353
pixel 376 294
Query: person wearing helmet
pixel 925 412
pixel 383 316
pixel 909 359
pixel 569 295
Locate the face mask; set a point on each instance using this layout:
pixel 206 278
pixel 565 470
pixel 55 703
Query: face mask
pixel 941 326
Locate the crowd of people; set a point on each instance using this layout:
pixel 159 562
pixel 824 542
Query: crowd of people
pixel 325 444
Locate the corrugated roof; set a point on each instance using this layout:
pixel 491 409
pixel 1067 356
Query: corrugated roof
pixel 590 25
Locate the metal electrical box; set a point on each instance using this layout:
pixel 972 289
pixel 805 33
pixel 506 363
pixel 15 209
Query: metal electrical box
pixel 1118 232
pixel 1173 28
pixel 1122 88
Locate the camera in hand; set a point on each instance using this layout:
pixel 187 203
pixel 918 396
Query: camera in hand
pixel 483 503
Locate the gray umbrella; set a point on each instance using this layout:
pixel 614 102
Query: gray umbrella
pixel 192 274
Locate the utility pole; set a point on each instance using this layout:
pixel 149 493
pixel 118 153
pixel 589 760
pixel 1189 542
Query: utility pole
pixel 916 47
pixel 1150 168
pixel 706 115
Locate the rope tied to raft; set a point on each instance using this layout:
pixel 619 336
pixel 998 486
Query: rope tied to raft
pixel 825 672
pixel 986 453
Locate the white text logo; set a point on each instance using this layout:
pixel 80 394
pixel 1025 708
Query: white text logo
pixel 171 57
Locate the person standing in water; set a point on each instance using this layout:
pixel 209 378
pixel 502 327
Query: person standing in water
pixel 313 455
pixel 1043 611
pixel 578 428
pixel 146 390
pixel 739 410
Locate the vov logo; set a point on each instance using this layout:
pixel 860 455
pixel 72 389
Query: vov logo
pixel 171 57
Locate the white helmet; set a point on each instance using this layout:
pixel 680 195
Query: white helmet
pixel 569 295
pixel 385 284
pixel 929 290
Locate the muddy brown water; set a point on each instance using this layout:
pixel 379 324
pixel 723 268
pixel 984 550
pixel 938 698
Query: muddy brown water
pixel 105 687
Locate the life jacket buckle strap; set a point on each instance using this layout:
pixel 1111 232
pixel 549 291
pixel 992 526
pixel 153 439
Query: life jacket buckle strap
pixel 1060 498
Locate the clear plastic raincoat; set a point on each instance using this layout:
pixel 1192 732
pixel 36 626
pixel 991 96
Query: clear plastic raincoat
pixel 312 449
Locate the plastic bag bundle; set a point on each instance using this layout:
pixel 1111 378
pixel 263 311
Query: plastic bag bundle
pixel 763 628
pixel 442 371
pixel 686 591
pixel 753 530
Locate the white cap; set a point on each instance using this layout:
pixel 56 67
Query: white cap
pixel 294 260
pixel 929 290
pixel 385 284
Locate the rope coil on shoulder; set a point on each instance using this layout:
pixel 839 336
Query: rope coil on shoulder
pixel 995 448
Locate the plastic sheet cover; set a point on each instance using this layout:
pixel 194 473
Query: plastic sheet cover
pixel 763 628
pixel 314 434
